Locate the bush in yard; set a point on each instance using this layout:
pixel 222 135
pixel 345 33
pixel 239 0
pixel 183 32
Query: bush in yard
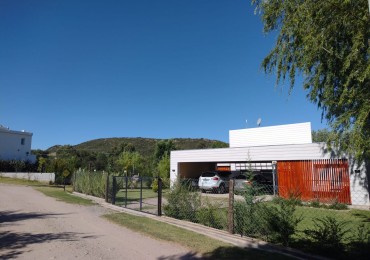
pixel 337 206
pixel 360 242
pixel 181 203
pixel 249 215
pixel 90 183
pixel 328 234
pixel 212 215
pixel 147 182
pixel 281 221
pixel 155 185
pixel 314 203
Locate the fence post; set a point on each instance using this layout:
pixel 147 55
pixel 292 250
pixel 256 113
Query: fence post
pixel 159 196
pixel 274 175
pixel 230 215
pixel 107 189
pixel 126 179
pixel 114 191
pixel 141 193
pixel 73 181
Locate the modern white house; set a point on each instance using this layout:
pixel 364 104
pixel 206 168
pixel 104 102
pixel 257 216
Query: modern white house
pixel 15 145
pixel 287 152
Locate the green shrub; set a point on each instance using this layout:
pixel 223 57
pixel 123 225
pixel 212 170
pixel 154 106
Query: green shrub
pixel 90 183
pixel 328 234
pixel 337 206
pixel 181 203
pixel 281 221
pixel 249 215
pixel 212 215
pixel 155 185
pixel 360 241
pixel 147 182
pixel 314 203
pixel 294 197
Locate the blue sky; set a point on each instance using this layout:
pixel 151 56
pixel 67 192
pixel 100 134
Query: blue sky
pixel 76 70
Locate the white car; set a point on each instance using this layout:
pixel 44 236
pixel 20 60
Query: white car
pixel 216 181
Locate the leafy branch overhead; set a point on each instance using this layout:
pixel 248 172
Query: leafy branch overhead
pixel 326 42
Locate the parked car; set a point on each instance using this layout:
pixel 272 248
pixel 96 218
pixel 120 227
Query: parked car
pixel 216 181
pixel 260 180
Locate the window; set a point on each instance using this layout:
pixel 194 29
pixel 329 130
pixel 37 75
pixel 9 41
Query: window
pixel 22 141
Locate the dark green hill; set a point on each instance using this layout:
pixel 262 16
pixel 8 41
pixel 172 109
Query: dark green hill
pixel 145 146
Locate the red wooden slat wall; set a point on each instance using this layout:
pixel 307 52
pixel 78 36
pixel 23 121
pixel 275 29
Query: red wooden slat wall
pixel 324 180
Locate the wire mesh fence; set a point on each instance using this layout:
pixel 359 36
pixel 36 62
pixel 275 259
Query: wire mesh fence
pixel 247 206
pixel 137 193
pixel 256 209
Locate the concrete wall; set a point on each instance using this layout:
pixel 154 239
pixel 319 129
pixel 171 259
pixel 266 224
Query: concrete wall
pixel 359 183
pixel 15 145
pixel 271 135
pixel 32 176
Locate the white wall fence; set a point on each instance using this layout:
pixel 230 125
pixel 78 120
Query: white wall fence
pixel 32 176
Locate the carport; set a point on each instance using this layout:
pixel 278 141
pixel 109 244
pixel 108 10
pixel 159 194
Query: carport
pixel 191 163
pixel 192 170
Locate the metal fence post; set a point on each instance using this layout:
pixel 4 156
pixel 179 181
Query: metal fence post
pixel 126 179
pixel 141 193
pixel 159 197
pixel 107 189
pixel 230 215
pixel 274 175
pixel 114 191
pixel 73 181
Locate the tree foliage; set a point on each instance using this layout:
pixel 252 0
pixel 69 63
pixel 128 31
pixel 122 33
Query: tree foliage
pixel 163 148
pixel 164 167
pixel 326 42
pixel 322 135
pixel 130 162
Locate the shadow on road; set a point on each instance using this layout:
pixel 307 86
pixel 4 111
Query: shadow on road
pixel 187 256
pixel 14 216
pixel 13 244
pixel 16 241
pixel 229 252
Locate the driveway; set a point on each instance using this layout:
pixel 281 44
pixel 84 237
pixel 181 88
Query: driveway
pixel 34 226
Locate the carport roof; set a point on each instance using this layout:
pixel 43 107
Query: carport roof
pixel 309 151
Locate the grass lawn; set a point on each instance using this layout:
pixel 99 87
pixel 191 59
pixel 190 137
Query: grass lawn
pixel 209 248
pixel 353 217
pixel 61 195
pixel 20 181
pixel 134 194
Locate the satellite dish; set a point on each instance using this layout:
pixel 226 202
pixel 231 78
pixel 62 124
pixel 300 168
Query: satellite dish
pixel 259 121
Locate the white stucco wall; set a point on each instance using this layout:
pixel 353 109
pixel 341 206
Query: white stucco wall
pixel 359 184
pixel 32 176
pixel 12 147
pixel 271 135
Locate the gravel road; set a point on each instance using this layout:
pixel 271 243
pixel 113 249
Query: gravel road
pixel 34 226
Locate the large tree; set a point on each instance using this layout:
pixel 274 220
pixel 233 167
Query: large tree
pixel 326 43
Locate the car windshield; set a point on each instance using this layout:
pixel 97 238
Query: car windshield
pixel 223 174
pixel 212 174
pixel 208 174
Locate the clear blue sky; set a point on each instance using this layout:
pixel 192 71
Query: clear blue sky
pixel 76 70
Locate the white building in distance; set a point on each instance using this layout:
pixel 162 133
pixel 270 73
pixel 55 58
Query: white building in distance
pixel 15 145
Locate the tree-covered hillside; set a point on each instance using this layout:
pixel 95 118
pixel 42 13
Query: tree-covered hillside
pixel 145 146
pixel 131 156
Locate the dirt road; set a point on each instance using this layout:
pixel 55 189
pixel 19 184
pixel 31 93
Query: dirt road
pixel 34 226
